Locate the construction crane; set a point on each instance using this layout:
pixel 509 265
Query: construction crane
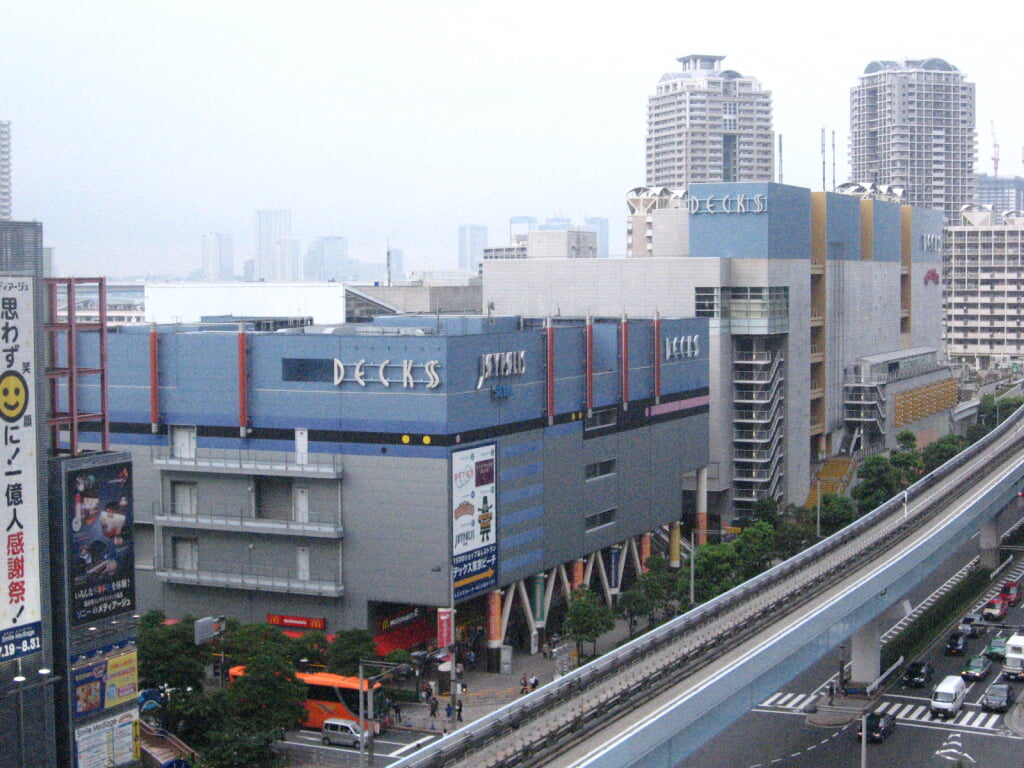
pixel 995 152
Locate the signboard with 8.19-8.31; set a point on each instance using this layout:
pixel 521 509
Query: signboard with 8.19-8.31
pixel 20 617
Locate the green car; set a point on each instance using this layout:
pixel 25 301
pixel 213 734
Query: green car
pixel 996 649
pixel 976 668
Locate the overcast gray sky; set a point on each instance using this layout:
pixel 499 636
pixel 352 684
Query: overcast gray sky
pixel 138 126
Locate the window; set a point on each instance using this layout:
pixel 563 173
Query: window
pixel 599 469
pixel 597 519
pixel 601 417
pixel 183 442
pixel 185 553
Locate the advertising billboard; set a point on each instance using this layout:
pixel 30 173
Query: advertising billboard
pixel 105 683
pixel 107 742
pixel 474 518
pixel 20 613
pixel 99 523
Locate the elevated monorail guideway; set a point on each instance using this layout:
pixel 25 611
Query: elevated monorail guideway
pixel 659 698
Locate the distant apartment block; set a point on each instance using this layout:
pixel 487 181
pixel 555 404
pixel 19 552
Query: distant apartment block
pixel 983 281
pixel 472 241
pixel 1002 193
pixel 708 124
pixel 218 257
pixel 271 226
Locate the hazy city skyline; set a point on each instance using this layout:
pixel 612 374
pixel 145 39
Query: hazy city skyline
pixel 136 130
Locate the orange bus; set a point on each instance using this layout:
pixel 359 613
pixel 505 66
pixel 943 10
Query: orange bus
pixel 329 695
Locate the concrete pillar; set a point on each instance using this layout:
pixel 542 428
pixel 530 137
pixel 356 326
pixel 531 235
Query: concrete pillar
pixel 701 523
pixel 988 540
pixel 674 546
pixel 865 654
pixel 494 636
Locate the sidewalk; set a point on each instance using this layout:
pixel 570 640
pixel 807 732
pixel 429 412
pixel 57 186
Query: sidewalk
pixel 487 692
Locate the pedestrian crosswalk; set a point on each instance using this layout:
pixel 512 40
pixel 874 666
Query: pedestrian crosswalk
pixel 901 710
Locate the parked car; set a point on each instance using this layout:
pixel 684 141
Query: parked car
pixel 880 726
pixel 956 644
pixel 918 674
pixel 996 649
pixel 1011 592
pixel 998 698
pixel 994 610
pixel 972 624
pixel 976 668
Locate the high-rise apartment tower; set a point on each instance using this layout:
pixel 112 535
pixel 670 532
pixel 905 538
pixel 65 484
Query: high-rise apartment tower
pixel 912 126
pixel 708 124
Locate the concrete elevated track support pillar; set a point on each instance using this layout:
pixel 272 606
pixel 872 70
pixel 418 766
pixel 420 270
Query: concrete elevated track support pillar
pixel 988 541
pixel 866 645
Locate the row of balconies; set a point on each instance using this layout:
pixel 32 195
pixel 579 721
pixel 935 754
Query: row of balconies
pixel 260 578
pixel 310 523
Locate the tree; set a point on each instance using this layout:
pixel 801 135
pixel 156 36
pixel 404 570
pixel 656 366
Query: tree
pixel 241 641
pixel 634 603
pixel 766 508
pixel 716 568
pixel 168 655
pixel 268 696
pixel 586 619
pixel 346 650
pixel 312 647
pixel 942 450
pixel 878 482
pixel 906 460
pixel 754 549
pixel 837 512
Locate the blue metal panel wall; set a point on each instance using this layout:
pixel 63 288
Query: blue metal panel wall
pixel 887 231
pixel 842 227
pixel 782 231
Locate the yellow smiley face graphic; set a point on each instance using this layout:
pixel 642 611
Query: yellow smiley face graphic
pixel 13 396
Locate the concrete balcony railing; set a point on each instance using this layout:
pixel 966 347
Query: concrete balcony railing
pixel 235 461
pixel 250 577
pixel 318 524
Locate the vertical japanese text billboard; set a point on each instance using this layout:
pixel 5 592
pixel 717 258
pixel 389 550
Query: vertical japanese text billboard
pixel 100 523
pixel 474 543
pixel 20 618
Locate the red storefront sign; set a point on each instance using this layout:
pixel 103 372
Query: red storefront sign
pixel 296 622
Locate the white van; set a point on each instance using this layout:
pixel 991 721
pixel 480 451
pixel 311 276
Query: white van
pixel 338 731
pixel 948 697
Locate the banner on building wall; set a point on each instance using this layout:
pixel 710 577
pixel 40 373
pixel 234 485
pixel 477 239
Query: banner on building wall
pixel 474 521
pixel 105 683
pixel 107 742
pixel 100 525
pixel 20 611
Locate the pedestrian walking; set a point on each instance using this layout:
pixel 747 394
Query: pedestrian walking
pixel 524 685
pixel 433 706
pixel 534 682
pixel 458 710
pixel 448 711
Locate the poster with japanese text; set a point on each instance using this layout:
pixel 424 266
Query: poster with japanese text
pixel 20 617
pixel 474 502
pixel 100 552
